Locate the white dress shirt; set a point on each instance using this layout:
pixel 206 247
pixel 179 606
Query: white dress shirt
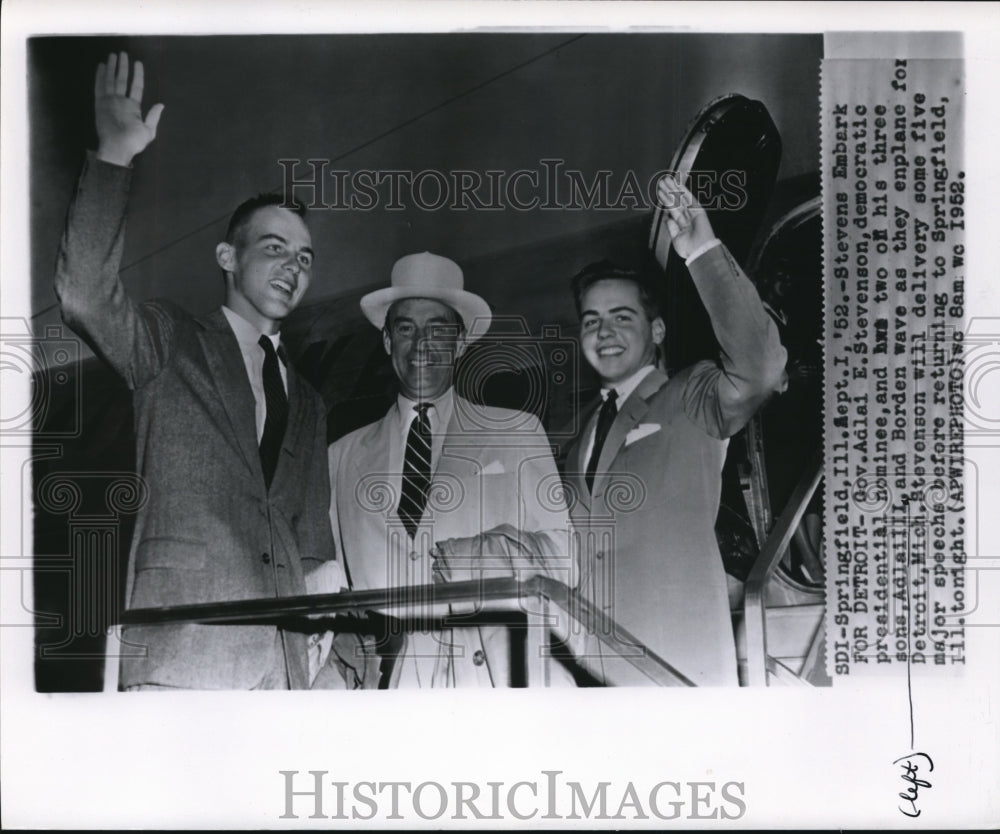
pixel 253 360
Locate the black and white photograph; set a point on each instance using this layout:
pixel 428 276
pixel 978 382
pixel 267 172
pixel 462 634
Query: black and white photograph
pixel 624 372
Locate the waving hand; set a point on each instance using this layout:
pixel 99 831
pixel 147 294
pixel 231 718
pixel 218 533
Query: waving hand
pixel 121 130
pixel 687 222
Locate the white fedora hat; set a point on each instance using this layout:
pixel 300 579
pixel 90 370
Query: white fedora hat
pixel 424 275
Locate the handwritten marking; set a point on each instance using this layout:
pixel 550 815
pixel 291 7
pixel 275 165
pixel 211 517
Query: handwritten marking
pixel 911 767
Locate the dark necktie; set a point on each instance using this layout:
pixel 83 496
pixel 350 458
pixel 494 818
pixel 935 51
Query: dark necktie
pixel 416 470
pixel 277 411
pixel 604 421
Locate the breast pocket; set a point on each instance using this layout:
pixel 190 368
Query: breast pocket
pixel 645 474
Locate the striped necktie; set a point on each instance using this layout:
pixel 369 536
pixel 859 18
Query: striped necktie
pixel 416 470
pixel 276 403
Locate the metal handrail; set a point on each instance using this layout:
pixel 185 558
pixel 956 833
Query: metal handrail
pixel 754 614
pixel 399 601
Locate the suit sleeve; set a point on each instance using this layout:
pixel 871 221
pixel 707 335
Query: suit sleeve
pixel 134 339
pixel 722 398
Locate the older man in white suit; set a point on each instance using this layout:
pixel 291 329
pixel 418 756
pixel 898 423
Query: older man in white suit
pixel 442 489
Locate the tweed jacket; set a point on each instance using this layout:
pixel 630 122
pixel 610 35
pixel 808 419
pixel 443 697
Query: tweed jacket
pixel 209 530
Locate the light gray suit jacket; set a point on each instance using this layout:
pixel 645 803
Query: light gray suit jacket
pixel 210 529
pixel 654 564
pixel 495 468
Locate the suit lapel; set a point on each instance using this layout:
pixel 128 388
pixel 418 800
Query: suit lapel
pixel 374 457
pixel 225 362
pixel 293 429
pixel 451 430
pixel 631 412
pixel 579 458
pixel 448 461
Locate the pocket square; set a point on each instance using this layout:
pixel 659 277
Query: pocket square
pixel 495 468
pixel 641 431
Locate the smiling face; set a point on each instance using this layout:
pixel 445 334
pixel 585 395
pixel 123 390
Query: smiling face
pixel 423 338
pixel 616 335
pixel 268 267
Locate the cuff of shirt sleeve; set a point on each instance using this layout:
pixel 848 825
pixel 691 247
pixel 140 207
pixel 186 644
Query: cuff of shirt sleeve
pixel 701 250
pixel 94 159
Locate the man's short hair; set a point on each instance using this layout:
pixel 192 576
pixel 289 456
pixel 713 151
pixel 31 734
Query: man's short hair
pixel 245 210
pixel 649 297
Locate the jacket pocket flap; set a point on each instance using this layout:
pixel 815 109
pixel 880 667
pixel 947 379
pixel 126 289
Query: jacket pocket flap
pixel 170 552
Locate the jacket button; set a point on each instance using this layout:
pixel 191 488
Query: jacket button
pixel 479 658
pixel 599 554
pixel 265 558
pixel 414 555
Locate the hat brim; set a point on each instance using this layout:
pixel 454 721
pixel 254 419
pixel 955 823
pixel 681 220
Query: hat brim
pixel 475 312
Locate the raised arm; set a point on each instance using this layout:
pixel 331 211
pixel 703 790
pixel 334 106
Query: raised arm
pixel 723 398
pixel 134 340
